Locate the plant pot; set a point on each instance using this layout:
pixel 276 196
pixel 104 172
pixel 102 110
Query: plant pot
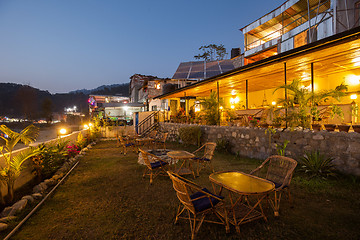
pixel 356 128
pixel 276 125
pixel 330 127
pixel 344 128
pixel 316 127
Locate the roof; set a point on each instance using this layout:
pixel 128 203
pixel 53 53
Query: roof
pixel 334 54
pixel 202 69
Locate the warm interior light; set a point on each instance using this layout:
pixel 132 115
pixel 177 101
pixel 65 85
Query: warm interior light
pixel 234 100
pixel 86 126
pixel 232 106
pixel 356 61
pixel 233 92
pixel 273 103
pixel 353 96
pixel 353 79
pixel 221 107
pixel 90 124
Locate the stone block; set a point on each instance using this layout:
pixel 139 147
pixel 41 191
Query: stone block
pixel 318 137
pixel 3 226
pixel 37 195
pixel 28 198
pixel 19 205
pixel 6 212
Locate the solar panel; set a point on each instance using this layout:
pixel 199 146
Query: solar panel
pixel 195 70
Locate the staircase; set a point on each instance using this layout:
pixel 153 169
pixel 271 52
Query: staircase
pixel 149 124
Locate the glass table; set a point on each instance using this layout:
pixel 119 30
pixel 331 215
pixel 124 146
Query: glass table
pixel 186 163
pixel 241 187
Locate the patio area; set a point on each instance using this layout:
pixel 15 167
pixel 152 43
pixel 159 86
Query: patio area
pixel 106 197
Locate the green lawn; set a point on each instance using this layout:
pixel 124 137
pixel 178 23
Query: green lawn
pixel 105 197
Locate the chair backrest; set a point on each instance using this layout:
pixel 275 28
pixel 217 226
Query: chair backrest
pixel 182 190
pixel 209 149
pixel 145 155
pixel 165 136
pixel 121 140
pixel 280 169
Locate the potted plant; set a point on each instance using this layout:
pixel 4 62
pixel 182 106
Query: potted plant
pixel 344 127
pixel 356 128
pixel 301 101
pixel 253 122
pixel 330 127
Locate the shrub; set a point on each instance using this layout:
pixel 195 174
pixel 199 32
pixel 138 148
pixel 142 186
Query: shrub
pixel 190 135
pixel 223 145
pixel 317 164
pixel 51 157
pixel 81 142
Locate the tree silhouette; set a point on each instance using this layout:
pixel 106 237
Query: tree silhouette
pixel 212 52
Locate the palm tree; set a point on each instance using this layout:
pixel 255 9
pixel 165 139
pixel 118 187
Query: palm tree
pixel 301 103
pixel 13 163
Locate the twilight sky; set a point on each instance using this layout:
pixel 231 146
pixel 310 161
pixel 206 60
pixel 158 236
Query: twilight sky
pixel 65 45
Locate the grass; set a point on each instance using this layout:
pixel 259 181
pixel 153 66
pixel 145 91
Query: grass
pixel 105 197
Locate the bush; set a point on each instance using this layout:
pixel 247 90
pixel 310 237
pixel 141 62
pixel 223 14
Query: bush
pixel 223 145
pixel 51 157
pixel 190 135
pixel 317 164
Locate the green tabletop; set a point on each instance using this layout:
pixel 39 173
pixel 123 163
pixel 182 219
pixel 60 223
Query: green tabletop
pixel 242 183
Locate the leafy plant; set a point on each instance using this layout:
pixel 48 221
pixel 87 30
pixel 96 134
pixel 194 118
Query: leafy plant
pixel 14 163
pixel 81 141
pixel 223 145
pixel 211 109
pixel 190 135
pixel 301 101
pixel 280 148
pixel 270 131
pixel 212 52
pixel 317 164
pixel 72 150
pixel 49 159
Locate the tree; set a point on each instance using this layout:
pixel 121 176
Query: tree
pixel 212 52
pixel 13 163
pixel 211 109
pixel 47 110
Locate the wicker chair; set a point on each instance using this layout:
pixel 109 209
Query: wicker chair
pixel 161 140
pixel 280 170
pixel 208 152
pixel 197 202
pixel 154 165
pixel 121 142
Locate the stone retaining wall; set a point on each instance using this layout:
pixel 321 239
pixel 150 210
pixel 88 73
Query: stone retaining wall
pixel 254 143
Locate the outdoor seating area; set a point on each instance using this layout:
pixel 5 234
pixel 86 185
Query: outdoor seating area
pixel 112 190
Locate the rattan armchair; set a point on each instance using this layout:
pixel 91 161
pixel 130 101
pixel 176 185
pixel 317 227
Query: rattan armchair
pixel 205 158
pixel 197 202
pixel 154 165
pixel 125 144
pixel 161 139
pixel 279 171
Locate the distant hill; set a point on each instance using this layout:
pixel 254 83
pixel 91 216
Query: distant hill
pixel 114 89
pixel 17 100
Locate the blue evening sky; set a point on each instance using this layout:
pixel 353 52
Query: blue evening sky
pixel 64 45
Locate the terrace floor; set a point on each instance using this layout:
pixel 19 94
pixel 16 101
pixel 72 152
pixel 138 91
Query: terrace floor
pixel 105 197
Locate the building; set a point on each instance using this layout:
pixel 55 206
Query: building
pixel 117 109
pixel 297 23
pixel 314 41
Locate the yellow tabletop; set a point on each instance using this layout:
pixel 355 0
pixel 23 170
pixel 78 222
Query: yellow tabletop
pixel 242 183
pixel 180 154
